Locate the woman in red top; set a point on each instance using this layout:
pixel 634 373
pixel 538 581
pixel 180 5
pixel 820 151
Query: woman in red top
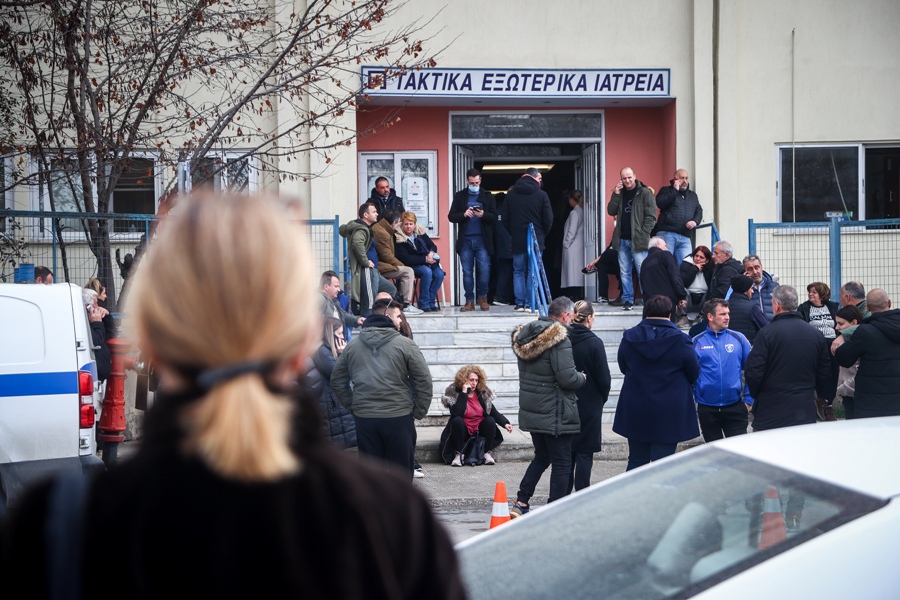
pixel 471 404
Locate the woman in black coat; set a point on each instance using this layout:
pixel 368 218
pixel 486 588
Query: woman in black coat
pixel 590 358
pixel 340 428
pixel 471 404
pixel 696 275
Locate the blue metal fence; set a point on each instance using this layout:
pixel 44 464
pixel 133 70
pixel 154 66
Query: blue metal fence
pixel 835 252
pixel 57 240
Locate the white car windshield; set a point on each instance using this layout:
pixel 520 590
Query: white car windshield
pixel 669 531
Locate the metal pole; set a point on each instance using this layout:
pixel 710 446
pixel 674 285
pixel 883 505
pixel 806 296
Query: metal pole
pixel 834 252
pixel 336 242
pixel 751 237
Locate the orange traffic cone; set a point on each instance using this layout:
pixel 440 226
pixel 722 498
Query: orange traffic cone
pixel 500 512
pixel 773 529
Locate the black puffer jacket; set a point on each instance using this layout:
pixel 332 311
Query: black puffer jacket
pixel 339 426
pixel 547 378
pixel 876 344
pixel 590 358
pixel 676 209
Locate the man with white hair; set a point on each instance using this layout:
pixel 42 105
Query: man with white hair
pixel 660 276
pixel 726 268
pixel 788 367
pixel 876 344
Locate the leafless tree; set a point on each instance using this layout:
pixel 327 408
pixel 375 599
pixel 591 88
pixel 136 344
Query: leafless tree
pixel 94 82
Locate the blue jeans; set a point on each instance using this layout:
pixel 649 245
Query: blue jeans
pixel 474 255
pixel 679 245
pixel 430 277
pixel 627 262
pixel 520 270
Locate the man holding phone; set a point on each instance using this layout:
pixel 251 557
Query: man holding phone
pixel 475 211
pixel 634 207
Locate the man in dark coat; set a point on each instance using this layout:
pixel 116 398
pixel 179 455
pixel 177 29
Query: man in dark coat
pixel 876 344
pixel 660 276
pixel 633 206
pixel 385 198
pixel 788 367
pixel 547 401
pixel 656 404
pixel 475 211
pixel 526 204
pixel 726 268
pixel 746 316
pixel 679 214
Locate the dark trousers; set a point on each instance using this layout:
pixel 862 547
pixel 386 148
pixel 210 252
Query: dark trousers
pixel 392 440
pixel 717 422
pixel 501 285
pixel 582 462
pixel 642 453
pixel 849 405
pixel 548 450
pixel 459 433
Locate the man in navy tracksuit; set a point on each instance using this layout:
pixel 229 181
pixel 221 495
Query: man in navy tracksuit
pixel 723 400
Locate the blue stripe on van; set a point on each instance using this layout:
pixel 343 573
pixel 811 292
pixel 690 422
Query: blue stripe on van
pixel 38 384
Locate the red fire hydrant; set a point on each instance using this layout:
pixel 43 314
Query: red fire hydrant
pixel 111 429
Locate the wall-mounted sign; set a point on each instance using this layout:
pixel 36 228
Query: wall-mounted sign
pixel 542 83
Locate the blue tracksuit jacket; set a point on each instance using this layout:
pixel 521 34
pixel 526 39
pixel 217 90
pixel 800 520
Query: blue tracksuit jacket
pixel 722 357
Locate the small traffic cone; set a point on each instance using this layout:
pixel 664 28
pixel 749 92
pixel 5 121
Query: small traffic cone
pixel 500 512
pixel 773 529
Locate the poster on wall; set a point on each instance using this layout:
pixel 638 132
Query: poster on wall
pixel 416 199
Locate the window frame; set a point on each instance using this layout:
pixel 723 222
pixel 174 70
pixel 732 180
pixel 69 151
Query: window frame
pixel 430 220
pixel 859 208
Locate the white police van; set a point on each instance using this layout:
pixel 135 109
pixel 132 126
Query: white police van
pixel 48 385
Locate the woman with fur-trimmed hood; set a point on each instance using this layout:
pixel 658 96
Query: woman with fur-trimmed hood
pixel 471 404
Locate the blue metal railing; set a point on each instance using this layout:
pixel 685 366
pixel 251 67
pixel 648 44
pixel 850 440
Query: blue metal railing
pixel 538 287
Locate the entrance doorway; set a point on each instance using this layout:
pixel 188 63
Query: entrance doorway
pixel 569 160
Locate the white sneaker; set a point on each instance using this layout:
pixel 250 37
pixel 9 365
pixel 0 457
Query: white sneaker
pixel 457 460
pixel 418 473
pixel 412 310
pixel 489 459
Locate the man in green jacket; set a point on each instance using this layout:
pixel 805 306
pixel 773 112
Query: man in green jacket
pixel 634 207
pixel 373 378
pixel 547 402
pixel 366 281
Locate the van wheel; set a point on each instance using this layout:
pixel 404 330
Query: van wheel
pixel 110 454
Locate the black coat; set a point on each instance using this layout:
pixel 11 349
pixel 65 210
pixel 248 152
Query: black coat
pixel 876 344
pixel 393 202
pixel 527 204
pixel 339 426
pixel 177 523
pixel 659 276
pixel 101 350
pixel 721 278
pixel 413 254
pixel 804 309
pixel 788 367
pixel 458 215
pixel 590 358
pixel 688 271
pixel 656 403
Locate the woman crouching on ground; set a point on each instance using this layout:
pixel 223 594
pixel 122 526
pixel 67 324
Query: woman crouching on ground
pixel 471 404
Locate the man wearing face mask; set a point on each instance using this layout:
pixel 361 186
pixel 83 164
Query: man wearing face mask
pixel 679 214
pixel 475 212
pixel 526 204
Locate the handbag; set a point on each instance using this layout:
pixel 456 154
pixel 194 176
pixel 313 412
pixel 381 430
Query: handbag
pixel 473 451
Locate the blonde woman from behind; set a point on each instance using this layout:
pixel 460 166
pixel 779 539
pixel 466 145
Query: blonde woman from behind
pixel 233 492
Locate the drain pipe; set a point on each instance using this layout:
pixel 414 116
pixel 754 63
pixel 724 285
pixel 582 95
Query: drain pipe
pixel 715 67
